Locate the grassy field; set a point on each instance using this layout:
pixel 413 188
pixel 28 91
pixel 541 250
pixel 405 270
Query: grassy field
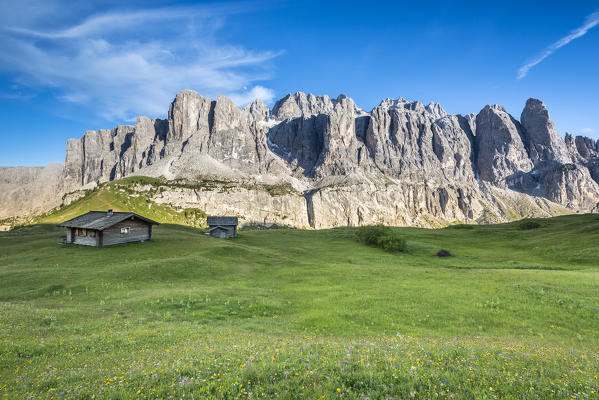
pixel 304 314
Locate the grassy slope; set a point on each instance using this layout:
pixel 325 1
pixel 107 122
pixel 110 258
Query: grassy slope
pixel 292 313
pixel 121 196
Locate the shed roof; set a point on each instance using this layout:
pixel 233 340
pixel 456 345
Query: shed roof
pixel 100 220
pixel 225 227
pixel 222 221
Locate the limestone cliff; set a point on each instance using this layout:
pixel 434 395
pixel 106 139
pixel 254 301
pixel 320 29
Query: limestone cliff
pixel 402 163
pixel 29 190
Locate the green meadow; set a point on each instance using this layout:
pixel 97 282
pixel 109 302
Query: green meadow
pixel 287 313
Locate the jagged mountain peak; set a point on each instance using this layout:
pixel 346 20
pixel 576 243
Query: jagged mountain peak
pixel 434 109
pixel 259 110
pixel 543 141
pixel 533 103
pixel 401 163
pixel 494 108
pixel 301 105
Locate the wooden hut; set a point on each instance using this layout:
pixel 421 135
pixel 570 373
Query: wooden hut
pixel 106 228
pixel 222 227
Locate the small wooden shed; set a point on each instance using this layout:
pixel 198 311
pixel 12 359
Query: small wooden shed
pixel 222 227
pixel 107 228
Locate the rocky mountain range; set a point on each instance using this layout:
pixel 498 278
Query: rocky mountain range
pixel 402 163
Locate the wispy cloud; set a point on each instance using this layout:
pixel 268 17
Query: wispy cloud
pixel 590 21
pixel 588 131
pixel 124 63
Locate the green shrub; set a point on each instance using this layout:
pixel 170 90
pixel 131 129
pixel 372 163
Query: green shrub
pixel 392 243
pixel 370 234
pixel 381 236
pixel 528 224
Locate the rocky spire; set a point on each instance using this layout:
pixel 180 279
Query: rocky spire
pixel 542 140
pixel 500 150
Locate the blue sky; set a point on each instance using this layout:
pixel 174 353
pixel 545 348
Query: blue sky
pixel 67 67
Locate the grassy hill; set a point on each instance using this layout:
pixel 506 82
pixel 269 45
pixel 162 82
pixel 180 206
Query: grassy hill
pixel 121 195
pixel 514 313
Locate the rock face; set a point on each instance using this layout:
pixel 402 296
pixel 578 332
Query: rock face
pixel 543 142
pixel 501 152
pixel 112 154
pixel 402 163
pixel 29 190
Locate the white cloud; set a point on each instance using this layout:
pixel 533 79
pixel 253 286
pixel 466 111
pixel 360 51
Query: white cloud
pixel 257 92
pixel 588 131
pixel 124 63
pixel 590 21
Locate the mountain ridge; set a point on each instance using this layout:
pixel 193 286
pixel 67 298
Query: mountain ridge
pixel 402 163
